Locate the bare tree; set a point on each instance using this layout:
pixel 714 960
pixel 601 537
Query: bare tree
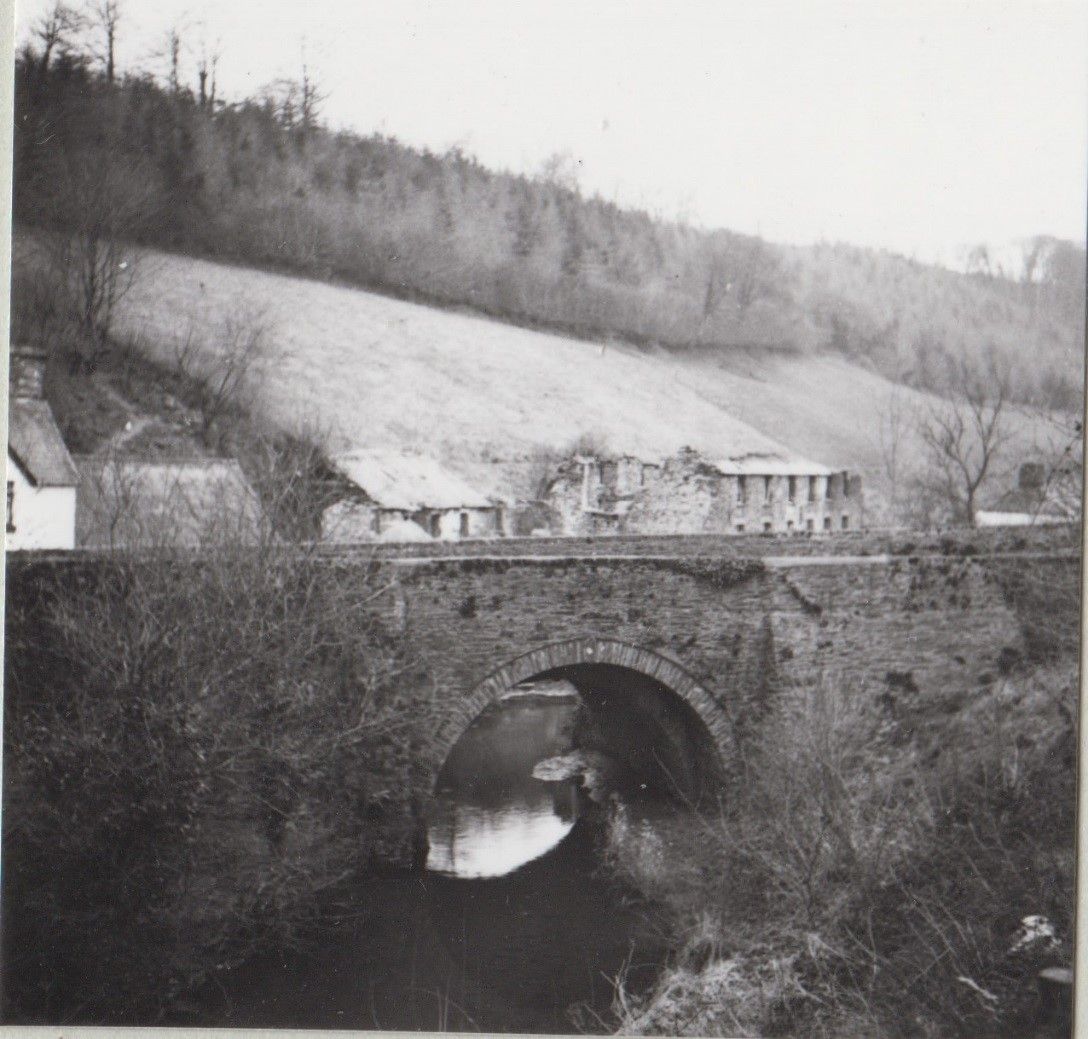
pixel 1059 453
pixel 95 209
pixel 207 66
pixel 311 96
pixel 224 372
pixel 106 16
pixel 895 425
pixel 172 49
pixel 296 483
pixel 965 432
pixel 978 261
pixel 296 102
pixel 56 31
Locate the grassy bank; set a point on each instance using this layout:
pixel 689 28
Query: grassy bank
pixel 246 182
pixel 861 882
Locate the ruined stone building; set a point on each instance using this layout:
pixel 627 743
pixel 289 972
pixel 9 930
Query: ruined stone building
pixel 689 494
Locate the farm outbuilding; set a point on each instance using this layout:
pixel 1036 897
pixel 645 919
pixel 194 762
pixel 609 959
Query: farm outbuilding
pixel 1042 496
pixel 397 496
pixel 127 503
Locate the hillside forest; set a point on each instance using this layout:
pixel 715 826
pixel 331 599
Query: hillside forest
pixel 156 160
pixel 191 790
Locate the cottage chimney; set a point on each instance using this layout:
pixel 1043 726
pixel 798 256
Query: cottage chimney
pixel 26 373
pixel 1031 476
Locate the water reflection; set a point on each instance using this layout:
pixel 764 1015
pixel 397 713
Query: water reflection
pixel 515 928
pixel 491 816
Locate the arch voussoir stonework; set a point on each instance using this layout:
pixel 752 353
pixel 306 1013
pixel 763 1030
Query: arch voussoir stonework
pixel 588 650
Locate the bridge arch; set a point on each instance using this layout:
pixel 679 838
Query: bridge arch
pixel 566 658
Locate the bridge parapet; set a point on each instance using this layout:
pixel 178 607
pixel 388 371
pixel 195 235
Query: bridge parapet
pixel 919 625
pixel 964 542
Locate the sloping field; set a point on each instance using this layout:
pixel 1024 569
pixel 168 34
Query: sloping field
pixel 484 397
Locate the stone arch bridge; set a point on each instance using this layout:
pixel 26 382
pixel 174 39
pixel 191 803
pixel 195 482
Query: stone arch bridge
pixel 699 635
pixel 681 644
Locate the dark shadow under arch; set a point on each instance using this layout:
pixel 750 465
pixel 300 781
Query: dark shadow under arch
pixel 659 689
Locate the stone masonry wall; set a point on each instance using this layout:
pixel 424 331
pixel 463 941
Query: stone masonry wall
pixel 688 495
pixel 921 633
pixel 934 628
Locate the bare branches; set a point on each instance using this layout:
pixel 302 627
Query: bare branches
pixel 966 432
pixel 895 427
pixel 207 67
pixel 172 54
pixel 296 103
pixel 56 30
pixel 225 371
pixel 94 210
pixel 105 18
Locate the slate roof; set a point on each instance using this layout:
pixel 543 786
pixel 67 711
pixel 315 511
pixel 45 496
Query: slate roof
pixel 36 444
pixel 125 503
pixel 755 464
pixel 393 480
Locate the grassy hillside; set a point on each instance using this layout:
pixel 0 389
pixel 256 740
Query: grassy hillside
pixel 257 182
pixel 491 399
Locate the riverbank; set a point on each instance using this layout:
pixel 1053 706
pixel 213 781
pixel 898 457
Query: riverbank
pixel 863 882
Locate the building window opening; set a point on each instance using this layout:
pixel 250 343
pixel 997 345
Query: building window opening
pixel 812 488
pixel 793 489
pixel 436 525
pixel 464 525
pixel 739 528
pixel 742 490
pixel 766 526
pixel 789 524
pixel 845 521
pixel 11 507
pixel 809 524
pixel 827 522
pixel 766 488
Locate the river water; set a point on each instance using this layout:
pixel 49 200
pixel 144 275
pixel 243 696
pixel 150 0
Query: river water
pixel 515 926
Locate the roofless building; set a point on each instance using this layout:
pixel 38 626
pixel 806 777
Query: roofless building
pixel 766 492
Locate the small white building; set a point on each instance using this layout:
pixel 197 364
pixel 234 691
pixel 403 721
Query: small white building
pixel 41 478
pixel 1039 499
pixel 399 496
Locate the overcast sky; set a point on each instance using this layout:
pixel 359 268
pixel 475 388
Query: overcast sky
pixel 919 127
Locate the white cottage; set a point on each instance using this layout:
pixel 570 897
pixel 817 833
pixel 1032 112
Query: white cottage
pixel 41 478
